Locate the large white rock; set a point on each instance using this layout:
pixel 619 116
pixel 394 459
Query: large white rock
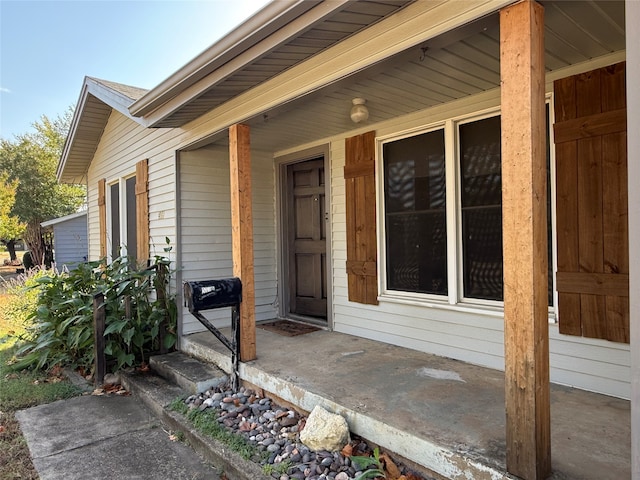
pixel 325 431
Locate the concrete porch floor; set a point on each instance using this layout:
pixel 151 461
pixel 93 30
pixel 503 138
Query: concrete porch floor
pixel 445 415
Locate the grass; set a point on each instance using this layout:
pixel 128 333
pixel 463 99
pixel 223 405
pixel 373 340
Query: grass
pixel 7 272
pixel 206 423
pixel 19 390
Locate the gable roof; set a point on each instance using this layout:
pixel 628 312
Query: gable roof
pixel 97 99
pixel 282 34
pixel 413 55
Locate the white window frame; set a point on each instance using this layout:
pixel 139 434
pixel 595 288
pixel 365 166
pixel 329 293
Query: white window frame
pixel 455 298
pixel 458 276
pixel 122 215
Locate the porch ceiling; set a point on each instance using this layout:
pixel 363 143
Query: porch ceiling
pixel 344 20
pixel 455 65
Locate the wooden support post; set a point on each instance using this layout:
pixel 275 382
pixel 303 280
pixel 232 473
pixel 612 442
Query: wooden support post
pixel 524 214
pixel 242 235
pixel 99 319
pixel 632 18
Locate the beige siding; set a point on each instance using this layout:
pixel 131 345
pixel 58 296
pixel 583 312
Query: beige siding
pixel 205 228
pixel 123 144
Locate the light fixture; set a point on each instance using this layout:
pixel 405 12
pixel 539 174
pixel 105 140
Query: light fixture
pixel 359 111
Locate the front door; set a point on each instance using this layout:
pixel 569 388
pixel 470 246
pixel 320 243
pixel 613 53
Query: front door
pixel 306 232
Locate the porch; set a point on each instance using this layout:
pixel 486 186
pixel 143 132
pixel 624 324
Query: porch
pixel 445 415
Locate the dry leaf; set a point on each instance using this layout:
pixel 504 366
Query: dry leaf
pixel 98 391
pixel 411 476
pixel 347 451
pixel 390 467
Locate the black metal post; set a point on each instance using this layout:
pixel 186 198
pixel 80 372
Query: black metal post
pixel 99 318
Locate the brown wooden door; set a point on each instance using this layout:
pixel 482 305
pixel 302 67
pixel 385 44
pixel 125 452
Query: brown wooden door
pixel 307 239
pixel 591 169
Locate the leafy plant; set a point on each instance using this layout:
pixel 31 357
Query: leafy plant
pixel 61 331
pixel 362 462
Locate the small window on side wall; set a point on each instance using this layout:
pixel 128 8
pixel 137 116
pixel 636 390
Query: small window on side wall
pixel 122 226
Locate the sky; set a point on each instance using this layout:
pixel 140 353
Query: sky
pixel 47 47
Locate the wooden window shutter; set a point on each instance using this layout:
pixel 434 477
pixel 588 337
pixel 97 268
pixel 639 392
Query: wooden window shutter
pixel 142 211
pixel 360 191
pixel 591 178
pixel 102 213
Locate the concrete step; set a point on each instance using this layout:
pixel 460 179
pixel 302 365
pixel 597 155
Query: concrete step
pixel 190 374
pixel 157 393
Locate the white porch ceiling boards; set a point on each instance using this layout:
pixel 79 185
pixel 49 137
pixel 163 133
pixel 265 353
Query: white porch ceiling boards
pixel 353 17
pixel 453 66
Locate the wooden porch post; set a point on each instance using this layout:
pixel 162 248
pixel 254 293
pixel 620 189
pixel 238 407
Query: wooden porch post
pixel 242 235
pixel 524 213
pixel 632 14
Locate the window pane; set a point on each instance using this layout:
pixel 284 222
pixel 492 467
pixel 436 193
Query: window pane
pixel 481 192
pixel 415 214
pixel 132 245
pixel 115 220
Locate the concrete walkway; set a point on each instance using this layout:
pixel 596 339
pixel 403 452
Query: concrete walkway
pixel 111 436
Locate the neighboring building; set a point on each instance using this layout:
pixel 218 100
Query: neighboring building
pixel 70 245
pixel 392 228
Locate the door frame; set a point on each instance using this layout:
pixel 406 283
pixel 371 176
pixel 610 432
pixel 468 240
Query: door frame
pixel 281 164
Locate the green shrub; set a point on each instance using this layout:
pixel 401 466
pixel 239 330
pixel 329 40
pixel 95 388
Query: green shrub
pixel 61 325
pixel 22 298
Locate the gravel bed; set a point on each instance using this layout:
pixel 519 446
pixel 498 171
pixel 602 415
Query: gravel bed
pixel 276 430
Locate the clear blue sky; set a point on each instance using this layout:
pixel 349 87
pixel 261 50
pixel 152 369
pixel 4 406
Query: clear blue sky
pixel 48 47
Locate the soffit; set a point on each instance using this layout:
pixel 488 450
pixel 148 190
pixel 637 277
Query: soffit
pixel 459 64
pixel 352 18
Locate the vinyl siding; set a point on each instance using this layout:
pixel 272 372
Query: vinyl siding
pixel 205 229
pixel 474 335
pixel 470 334
pixel 70 242
pixel 124 143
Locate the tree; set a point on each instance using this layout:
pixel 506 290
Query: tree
pixel 31 159
pixel 11 228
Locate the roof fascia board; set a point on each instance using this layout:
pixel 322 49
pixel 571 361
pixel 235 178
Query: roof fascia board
pixel 71 216
pixel 116 100
pixel 257 28
pixel 73 128
pixel 414 25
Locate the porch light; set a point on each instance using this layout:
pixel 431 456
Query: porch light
pixel 359 111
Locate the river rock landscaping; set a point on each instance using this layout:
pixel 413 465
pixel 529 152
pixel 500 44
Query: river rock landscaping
pixel 275 433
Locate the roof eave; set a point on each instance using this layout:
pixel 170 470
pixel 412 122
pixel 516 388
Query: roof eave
pixel 264 23
pixel 66 218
